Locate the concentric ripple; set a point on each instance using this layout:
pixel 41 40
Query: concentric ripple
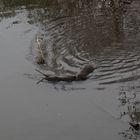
pixel 93 35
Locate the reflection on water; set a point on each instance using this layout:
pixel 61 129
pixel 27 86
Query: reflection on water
pixel 130 106
pixel 104 32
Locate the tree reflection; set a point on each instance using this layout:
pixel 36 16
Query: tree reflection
pixel 80 28
pixel 87 25
pixel 110 8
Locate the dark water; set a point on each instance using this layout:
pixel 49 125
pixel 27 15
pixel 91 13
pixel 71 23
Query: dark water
pixel 72 34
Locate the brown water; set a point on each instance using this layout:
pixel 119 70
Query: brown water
pixel 73 33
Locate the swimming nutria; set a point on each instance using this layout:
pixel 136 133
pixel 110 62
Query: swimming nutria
pixel 85 71
pixel 82 75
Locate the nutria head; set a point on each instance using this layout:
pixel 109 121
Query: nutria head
pixel 85 71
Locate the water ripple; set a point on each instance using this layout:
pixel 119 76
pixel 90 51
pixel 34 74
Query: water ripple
pixel 93 37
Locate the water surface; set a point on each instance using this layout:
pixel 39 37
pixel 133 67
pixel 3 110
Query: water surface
pixel 73 33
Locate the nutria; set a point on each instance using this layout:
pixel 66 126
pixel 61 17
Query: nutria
pixel 82 75
pixel 85 71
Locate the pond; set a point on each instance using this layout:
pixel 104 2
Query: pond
pixel 72 34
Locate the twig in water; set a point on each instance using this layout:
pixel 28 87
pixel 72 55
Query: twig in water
pixel 40 80
pixel 41 73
